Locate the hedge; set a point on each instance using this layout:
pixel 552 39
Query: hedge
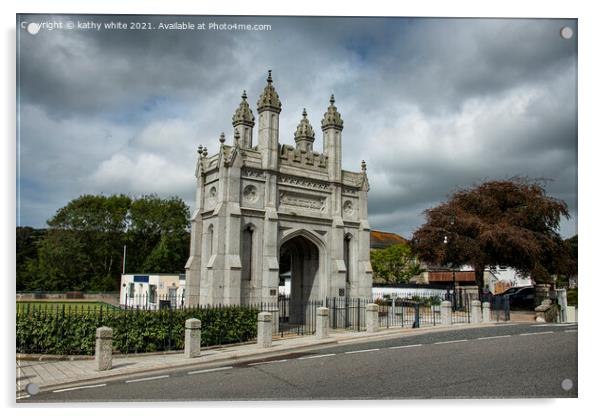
pixel 133 330
pixel 572 297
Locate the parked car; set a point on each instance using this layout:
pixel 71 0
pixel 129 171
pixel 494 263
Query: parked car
pixel 523 298
pixel 520 297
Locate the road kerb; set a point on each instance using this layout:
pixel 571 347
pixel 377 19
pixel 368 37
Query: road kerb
pixel 224 358
pixel 273 352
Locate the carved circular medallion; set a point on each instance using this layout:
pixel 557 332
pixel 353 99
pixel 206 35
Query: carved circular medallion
pixel 348 208
pixel 250 193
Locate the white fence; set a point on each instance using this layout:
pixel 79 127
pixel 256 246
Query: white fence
pixel 404 292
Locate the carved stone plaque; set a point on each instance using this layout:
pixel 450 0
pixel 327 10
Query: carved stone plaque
pixel 303 201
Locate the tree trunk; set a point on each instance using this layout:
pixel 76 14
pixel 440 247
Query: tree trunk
pixel 479 273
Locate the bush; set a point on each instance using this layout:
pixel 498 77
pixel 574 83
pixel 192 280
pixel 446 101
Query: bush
pixel 571 297
pixel 133 330
pixel 426 301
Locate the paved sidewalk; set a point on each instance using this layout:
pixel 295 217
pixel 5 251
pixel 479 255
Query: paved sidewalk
pixel 62 373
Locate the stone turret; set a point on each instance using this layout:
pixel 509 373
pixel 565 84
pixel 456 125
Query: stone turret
pixel 268 108
pixel 243 122
pixel 332 126
pixel 269 99
pixel 305 136
pixel 332 118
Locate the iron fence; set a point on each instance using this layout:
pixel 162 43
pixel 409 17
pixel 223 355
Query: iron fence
pixel 150 301
pixel 163 318
pixel 411 312
pixel 347 313
pixel 295 317
pixel 461 301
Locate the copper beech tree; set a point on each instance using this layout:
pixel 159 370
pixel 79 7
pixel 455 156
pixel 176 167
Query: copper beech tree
pixel 508 222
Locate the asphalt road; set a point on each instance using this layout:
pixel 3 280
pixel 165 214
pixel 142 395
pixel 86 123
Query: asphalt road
pixel 505 361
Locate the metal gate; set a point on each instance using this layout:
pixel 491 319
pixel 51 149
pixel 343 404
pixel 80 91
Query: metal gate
pixel 500 307
pixel 296 317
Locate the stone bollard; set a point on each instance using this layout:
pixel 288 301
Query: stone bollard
pixel 103 357
pixel 192 338
pixel 322 323
pixel 264 329
pixel 475 312
pixel 275 320
pixel 371 317
pixel 562 303
pixel 446 313
pixel 486 312
pixel 571 314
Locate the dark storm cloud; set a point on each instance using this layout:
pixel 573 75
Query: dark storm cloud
pixel 73 72
pixel 430 104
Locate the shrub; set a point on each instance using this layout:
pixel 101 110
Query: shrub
pixel 426 301
pixel 571 297
pixel 133 330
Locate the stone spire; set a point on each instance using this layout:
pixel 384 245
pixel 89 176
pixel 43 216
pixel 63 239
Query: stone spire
pixel 305 136
pixel 332 118
pixel 269 100
pixel 243 114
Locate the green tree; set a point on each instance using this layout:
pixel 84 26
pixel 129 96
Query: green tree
pixel 510 222
pixel 27 240
pixel 83 247
pixel 159 235
pixel 394 264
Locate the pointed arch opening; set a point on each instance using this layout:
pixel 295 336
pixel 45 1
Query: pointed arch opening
pixel 299 261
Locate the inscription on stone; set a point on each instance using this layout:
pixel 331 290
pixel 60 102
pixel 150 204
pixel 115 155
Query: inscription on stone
pixel 295 200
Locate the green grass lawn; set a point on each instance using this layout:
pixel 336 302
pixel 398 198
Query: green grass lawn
pixel 77 306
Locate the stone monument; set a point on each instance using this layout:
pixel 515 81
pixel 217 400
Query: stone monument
pixel 268 208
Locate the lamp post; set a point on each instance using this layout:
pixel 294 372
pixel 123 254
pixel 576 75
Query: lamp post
pixel 452 221
pixel 445 241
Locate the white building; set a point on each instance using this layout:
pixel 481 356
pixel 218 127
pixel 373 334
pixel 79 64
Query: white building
pixel 265 209
pixel 507 275
pixel 150 290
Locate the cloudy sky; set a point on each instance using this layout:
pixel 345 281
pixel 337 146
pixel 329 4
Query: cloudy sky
pixel 430 104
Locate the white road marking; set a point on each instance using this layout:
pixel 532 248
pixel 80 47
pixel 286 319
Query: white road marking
pixel 78 388
pixel 540 325
pixel 571 330
pixel 355 352
pixel 536 333
pixel 210 370
pixel 497 336
pixel 405 346
pixel 268 362
pixel 25 396
pixel 451 342
pixel 315 356
pixel 147 379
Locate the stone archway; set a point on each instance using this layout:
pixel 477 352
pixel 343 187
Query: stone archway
pixel 300 256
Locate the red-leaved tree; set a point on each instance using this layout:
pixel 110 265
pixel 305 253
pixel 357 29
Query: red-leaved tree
pixel 507 222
